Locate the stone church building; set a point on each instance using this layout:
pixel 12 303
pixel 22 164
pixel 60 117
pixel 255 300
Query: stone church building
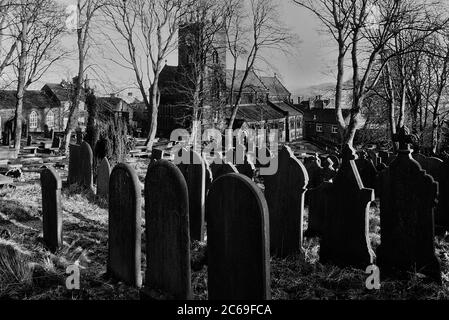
pixel 265 102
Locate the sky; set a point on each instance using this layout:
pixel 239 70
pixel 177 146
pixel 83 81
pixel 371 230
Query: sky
pixel 309 63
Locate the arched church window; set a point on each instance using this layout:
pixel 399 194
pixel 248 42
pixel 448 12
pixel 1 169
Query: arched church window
pixel 33 120
pixel 50 120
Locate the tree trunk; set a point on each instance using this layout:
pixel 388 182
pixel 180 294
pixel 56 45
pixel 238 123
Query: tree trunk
pixel 21 86
pixel 74 108
pixel 153 113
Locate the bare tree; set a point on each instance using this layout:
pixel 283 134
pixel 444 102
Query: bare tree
pixel 86 12
pixel 251 27
pixel 147 29
pixel 38 28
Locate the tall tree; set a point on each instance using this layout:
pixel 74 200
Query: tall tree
pixel 147 30
pixel 86 13
pixel 38 28
pixel 251 27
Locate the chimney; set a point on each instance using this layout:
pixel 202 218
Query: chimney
pixel 112 95
pixel 299 100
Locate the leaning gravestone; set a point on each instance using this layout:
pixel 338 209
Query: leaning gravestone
pixel 74 164
pixel 407 200
pixel 238 240
pixel 284 193
pixel 345 235
pixel 51 208
pixel 367 171
pixel 125 225
pixel 104 173
pixel 167 232
pixel 194 170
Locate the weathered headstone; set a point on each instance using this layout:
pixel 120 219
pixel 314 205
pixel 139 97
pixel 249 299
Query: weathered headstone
pixel 345 235
pixel 56 144
pixel 238 240
pixel 86 166
pixel 104 173
pixel 248 168
pixel 368 172
pixel 407 200
pixel 195 174
pixel 125 225
pixel 284 193
pixel 51 208
pixel 167 232
pixel 314 195
pixel 74 164
pixel 28 141
pixel 219 170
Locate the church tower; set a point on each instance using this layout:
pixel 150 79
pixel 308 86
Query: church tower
pixel 200 48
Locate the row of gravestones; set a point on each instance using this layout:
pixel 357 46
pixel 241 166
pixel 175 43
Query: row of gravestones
pixel 338 212
pixel 243 225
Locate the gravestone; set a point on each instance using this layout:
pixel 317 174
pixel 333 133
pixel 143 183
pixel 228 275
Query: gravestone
pixel 373 156
pixel 314 171
pixel 51 208
pixel 74 164
pixel 219 170
pixel 195 174
pixel 345 235
pixel 368 172
pixel 238 240
pixel 407 200
pixel 442 213
pixel 104 173
pixel 56 144
pixel 29 141
pixel 314 195
pixel 86 166
pixel 125 225
pixel 284 193
pixel 167 232
pixel 248 168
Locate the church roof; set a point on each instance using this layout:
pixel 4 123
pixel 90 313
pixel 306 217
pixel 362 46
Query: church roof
pixel 32 99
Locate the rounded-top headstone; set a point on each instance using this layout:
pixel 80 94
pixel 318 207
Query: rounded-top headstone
pixel 238 240
pixel 125 225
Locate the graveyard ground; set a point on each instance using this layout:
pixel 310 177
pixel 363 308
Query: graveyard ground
pixel 85 240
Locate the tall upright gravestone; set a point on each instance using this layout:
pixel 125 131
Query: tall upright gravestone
pixel 125 225
pixel 407 200
pixel 104 173
pixel 86 166
pixel 193 168
pixel 51 208
pixel 315 192
pixel 74 164
pixel 238 240
pixel 284 193
pixel 345 235
pixel 167 232
pixel 367 171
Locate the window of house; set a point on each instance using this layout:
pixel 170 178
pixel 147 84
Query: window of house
pixel 334 129
pixel 319 128
pixel 314 117
pixel 33 120
pixel 50 120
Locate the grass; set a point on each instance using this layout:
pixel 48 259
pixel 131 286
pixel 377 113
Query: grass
pixel 30 271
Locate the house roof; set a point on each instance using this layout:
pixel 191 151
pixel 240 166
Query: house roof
pixel 274 86
pixel 32 99
pixel 287 108
pixel 62 93
pixel 257 113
